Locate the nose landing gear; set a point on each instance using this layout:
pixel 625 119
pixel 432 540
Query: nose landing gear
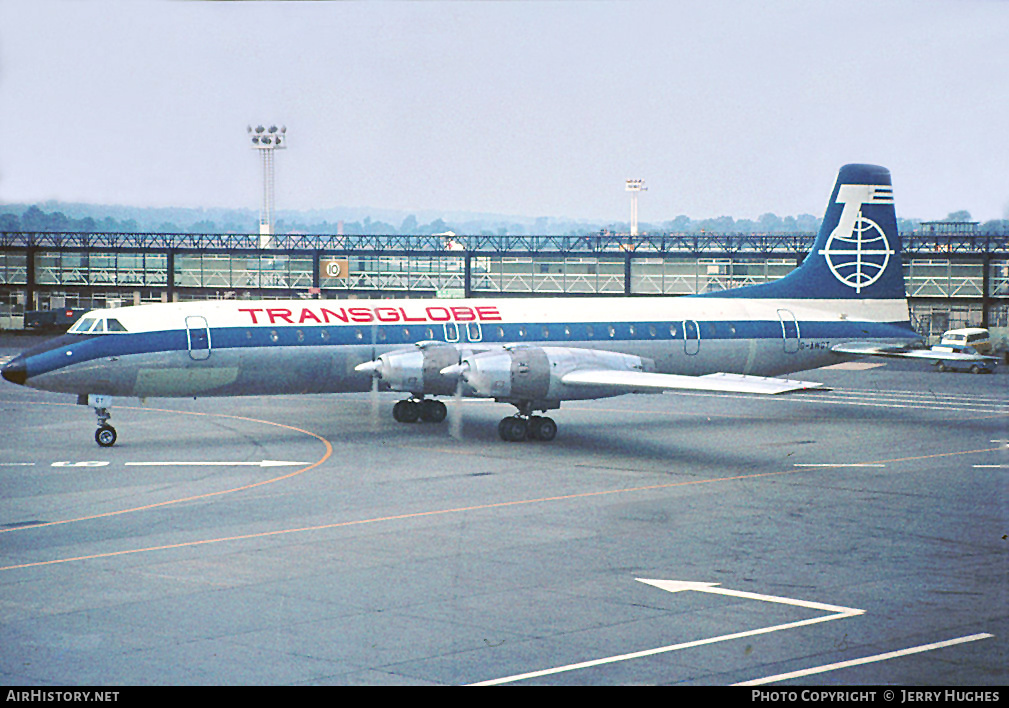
pixel 105 436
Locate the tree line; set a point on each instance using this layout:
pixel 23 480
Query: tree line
pixel 90 219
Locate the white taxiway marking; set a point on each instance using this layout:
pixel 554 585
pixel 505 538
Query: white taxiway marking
pixel 920 401
pixel 838 464
pixel 865 660
pixel 261 463
pixel 990 467
pixel 679 586
pixel 17 464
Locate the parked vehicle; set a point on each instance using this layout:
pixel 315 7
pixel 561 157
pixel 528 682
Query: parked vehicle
pixel 954 363
pixel 58 320
pixel 975 337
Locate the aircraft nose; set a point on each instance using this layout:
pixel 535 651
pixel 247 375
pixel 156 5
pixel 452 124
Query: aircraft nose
pixel 15 372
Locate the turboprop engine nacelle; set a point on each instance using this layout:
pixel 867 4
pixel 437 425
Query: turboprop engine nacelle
pixel 416 370
pixel 534 373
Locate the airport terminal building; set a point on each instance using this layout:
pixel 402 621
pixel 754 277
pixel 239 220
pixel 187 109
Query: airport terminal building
pixel 955 274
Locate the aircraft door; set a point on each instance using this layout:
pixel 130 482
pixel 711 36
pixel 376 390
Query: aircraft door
pixel 691 337
pixel 198 337
pixel 789 331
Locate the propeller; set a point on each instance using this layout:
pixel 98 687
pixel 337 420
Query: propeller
pixel 458 372
pixel 373 400
pixel 455 412
pixel 375 369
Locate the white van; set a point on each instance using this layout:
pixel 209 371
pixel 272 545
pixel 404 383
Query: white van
pixel 974 337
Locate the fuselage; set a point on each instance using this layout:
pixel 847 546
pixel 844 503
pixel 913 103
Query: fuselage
pixel 229 348
pixel 846 296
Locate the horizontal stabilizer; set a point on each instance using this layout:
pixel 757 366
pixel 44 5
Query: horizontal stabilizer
pixel 641 380
pixel 936 353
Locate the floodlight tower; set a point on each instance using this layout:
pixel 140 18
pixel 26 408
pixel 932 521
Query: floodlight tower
pixel 267 140
pixel 634 186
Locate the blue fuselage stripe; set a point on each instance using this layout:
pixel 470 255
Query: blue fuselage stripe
pixel 76 349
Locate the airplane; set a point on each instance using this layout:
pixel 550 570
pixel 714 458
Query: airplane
pixel 845 300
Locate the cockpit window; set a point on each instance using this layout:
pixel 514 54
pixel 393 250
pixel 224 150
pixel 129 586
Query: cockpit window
pixel 97 325
pixel 83 326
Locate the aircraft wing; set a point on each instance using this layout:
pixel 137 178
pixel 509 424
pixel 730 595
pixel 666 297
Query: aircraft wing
pixel 936 353
pixel 645 381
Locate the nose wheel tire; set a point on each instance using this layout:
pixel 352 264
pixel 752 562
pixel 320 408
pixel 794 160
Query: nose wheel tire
pixel 105 436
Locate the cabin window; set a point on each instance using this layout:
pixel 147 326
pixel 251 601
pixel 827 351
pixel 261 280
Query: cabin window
pixel 358 334
pixel 611 330
pixel 274 336
pixel 589 331
pixel 546 333
pixel 522 332
pixel 631 330
pixel 428 333
pixel 324 334
pixel 652 331
pixel 406 334
pixel 381 334
pixel 672 330
pixel 301 336
pixel 567 331
pixel 500 333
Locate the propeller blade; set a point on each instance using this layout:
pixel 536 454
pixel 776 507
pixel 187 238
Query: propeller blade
pixel 455 412
pixel 373 398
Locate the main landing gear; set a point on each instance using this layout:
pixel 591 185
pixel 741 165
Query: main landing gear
pixel 518 427
pixel 427 410
pixel 526 426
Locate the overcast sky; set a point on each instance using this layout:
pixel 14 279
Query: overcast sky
pixel 522 108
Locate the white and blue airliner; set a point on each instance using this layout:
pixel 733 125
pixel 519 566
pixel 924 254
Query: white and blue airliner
pixel 846 299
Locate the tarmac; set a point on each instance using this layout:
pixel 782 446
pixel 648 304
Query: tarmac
pixel 850 537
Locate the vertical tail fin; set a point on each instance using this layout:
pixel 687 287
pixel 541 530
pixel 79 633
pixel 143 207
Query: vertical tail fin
pixel 856 254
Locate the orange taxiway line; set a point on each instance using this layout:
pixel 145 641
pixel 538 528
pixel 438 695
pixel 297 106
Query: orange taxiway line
pixel 169 502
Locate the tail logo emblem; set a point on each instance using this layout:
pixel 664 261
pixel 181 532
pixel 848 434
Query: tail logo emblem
pixel 857 251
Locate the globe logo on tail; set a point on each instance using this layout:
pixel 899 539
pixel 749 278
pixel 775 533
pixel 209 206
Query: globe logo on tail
pixel 857 251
